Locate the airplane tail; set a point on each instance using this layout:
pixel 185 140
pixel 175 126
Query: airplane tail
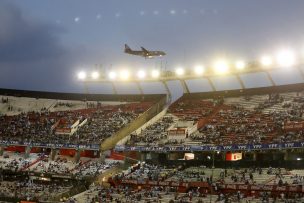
pixel 127 48
pixel 144 50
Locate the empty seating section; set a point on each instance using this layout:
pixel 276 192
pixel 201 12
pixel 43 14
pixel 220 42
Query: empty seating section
pixel 192 109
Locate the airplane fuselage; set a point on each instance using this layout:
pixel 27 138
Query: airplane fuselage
pixel 145 53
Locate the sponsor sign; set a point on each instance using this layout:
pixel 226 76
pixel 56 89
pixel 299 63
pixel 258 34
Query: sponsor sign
pixel 247 147
pixel 49 145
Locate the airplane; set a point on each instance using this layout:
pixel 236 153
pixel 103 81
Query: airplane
pixel 144 52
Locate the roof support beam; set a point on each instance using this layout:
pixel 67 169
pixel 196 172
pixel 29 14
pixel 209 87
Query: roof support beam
pixel 86 88
pixel 114 87
pixel 240 81
pixel 211 84
pixel 301 71
pixel 185 86
pixel 169 96
pixel 140 88
pixel 270 78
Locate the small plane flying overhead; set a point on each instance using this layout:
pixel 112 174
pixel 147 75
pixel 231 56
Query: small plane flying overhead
pixel 144 52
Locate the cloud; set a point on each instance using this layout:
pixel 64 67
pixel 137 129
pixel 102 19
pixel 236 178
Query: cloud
pixel 31 53
pixel 22 40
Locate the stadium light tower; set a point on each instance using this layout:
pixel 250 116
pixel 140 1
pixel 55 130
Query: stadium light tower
pixel 112 75
pixel 141 74
pixel 199 70
pixel 240 65
pixel 266 61
pixel 82 75
pixel 221 66
pixel 179 71
pixel 285 58
pixel 95 75
pixel 124 75
pixel 155 74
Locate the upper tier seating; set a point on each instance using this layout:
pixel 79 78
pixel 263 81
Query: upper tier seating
pixel 64 127
pixel 238 120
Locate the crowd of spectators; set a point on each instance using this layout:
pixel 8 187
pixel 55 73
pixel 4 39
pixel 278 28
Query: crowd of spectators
pixel 254 175
pixel 146 172
pixel 93 168
pixel 29 189
pixel 233 124
pixel 218 122
pixel 42 127
pixel 61 165
pixel 16 163
pixel 166 194
pixel 102 124
pixel 155 132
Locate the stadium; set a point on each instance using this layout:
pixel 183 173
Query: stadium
pixel 226 130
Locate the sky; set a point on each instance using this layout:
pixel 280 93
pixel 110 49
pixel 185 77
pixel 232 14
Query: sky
pixel 43 44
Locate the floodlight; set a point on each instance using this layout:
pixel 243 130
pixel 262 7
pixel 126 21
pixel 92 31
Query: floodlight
pixel 155 73
pixel 95 75
pixel 240 65
pixel 266 61
pixel 124 74
pixel 199 70
pixel 179 71
pixel 82 75
pixel 285 58
pixel 221 66
pixel 141 74
pixel 112 75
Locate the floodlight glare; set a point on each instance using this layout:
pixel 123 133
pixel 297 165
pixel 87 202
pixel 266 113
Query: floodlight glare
pixel 95 75
pixel 285 58
pixel 112 75
pixel 141 74
pixel 266 61
pixel 179 71
pixel 199 70
pixel 240 65
pixel 82 75
pixel 124 74
pixel 155 73
pixel 221 66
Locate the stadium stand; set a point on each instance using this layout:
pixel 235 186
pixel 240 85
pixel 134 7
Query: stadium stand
pixel 57 173
pixel 240 120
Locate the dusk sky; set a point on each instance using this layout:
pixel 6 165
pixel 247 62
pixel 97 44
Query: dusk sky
pixel 43 44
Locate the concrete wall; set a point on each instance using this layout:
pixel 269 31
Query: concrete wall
pixel 81 97
pixel 110 142
pixel 144 126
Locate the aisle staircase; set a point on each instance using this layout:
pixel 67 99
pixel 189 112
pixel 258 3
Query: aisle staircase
pixel 33 163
